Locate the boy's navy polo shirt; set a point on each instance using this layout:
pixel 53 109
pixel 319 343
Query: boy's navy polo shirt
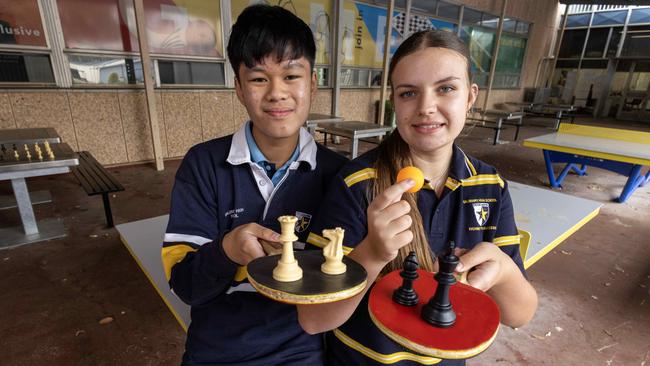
pixel 218 188
pixel 475 206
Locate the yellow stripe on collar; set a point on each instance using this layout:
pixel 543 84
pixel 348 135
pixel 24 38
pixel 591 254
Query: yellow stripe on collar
pixel 359 176
pixel 481 179
pixel 506 240
pixel 470 166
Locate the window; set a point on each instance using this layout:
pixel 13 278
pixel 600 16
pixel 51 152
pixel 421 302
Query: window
pixel 107 30
pixel 490 21
pixel 25 57
pixel 105 70
pixel 188 72
pixel 481 43
pixel 578 20
pixel 509 25
pixel 615 39
pixel 471 16
pixel 510 61
pixel 637 42
pixel 447 10
pixel 596 42
pixel 609 17
pixel 522 28
pixel 425 6
pixel 572 43
pixel 355 77
pixel 25 67
pixel 640 16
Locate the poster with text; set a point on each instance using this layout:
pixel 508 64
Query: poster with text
pixel 316 13
pixel 177 27
pixel 20 23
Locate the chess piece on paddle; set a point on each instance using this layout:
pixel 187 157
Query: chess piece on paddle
pixel 287 269
pixel 438 311
pixel 405 294
pixel 333 252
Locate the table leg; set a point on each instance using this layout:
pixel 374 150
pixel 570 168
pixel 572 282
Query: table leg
pixel 521 122
pixel 558 119
pixel 549 170
pixel 633 181
pixel 24 206
pixel 37 197
pixel 354 147
pixel 497 131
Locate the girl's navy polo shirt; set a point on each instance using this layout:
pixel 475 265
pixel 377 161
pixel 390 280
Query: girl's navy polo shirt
pixel 475 206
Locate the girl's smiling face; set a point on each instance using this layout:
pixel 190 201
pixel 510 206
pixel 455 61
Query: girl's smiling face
pixel 432 94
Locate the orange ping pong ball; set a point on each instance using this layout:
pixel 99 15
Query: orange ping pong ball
pixel 413 173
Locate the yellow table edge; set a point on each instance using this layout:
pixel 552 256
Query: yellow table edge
pixel 560 239
pixel 160 293
pixel 639 137
pixel 583 152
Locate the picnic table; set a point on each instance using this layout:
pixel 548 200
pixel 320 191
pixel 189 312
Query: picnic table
pixel 495 119
pixel 353 130
pixel 315 118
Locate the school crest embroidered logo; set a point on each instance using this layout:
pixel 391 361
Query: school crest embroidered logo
pixel 481 212
pixel 303 221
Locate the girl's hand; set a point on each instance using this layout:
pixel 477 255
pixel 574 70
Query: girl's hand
pixel 489 266
pixel 389 222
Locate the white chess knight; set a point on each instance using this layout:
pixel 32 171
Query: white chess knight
pixel 333 252
pixel 287 269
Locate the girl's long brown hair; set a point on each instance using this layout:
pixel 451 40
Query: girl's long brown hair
pixel 393 153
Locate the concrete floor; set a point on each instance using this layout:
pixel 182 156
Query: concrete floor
pixel 594 289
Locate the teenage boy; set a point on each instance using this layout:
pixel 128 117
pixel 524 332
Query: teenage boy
pixel 230 191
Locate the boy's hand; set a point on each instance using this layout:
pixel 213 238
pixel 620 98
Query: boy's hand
pixel 389 222
pixel 242 244
pixel 489 266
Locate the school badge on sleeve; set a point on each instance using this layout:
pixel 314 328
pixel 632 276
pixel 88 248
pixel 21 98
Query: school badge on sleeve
pixel 481 212
pixel 303 221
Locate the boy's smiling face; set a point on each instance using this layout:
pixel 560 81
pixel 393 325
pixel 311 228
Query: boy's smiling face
pixel 277 97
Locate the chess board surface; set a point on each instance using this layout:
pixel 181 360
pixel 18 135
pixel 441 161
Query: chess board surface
pixel 16 157
pixel 476 326
pixel 315 287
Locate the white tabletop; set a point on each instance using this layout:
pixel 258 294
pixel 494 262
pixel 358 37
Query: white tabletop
pixel 549 216
pixel 596 144
pixel 144 240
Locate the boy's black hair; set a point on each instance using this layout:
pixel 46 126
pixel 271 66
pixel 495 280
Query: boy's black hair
pixel 263 30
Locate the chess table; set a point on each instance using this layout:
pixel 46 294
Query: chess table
pixel 19 137
pixel 15 166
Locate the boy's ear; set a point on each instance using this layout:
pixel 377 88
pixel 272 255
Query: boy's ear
pixel 238 91
pixel 314 84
